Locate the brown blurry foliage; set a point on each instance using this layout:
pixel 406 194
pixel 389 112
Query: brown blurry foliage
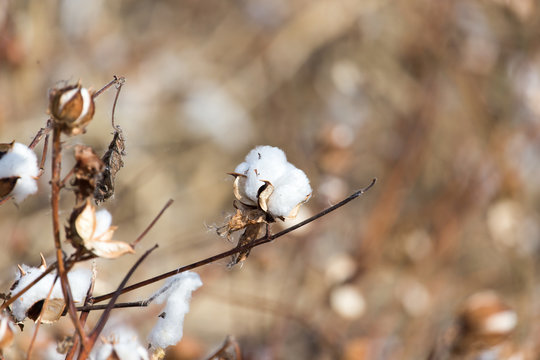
pixel 437 99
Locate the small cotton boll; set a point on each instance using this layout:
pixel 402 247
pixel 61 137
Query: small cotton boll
pixel 177 292
pixel 20 161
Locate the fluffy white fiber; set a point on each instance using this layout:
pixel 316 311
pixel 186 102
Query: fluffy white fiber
pixel 122 342
pixel 177 292
pixel 79 281
pixel 291 185
pixel 20 161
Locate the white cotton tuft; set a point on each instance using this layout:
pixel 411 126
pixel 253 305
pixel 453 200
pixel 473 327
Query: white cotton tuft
pixel 20 161
pixel 79 280
pixel 103 222
pixel 177 292
pixel 291 185
pixel 120 343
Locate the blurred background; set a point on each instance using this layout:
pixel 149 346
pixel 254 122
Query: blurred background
pixel 439 100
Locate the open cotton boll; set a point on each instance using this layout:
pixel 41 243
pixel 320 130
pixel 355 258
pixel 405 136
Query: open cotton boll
pixel 290 185
pixel 79 281
pixel 20 161
pixel 177 293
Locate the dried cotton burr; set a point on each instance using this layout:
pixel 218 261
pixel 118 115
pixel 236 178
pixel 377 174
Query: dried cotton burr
pixel 18 171
pixel 72 108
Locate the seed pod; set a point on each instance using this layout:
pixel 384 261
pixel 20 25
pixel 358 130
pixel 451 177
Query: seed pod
pixel 72 108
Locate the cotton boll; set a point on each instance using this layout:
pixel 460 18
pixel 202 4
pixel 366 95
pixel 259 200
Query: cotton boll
pixel 79 281
pixel 20 161
pixel 177 293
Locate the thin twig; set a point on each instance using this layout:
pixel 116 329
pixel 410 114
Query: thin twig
pixel 105 316
pixel 119 83
pixel 111 83
pixel 45 303
pixel 42 132
pixel 238 249
pixel 88 308
pixel 44 154
pixel 143 234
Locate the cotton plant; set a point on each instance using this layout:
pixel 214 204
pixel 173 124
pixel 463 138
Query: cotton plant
pixel 176 293
pixel 18 171
pixel 266 187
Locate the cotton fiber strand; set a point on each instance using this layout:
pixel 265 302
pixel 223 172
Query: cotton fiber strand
pixel 177 294
pixel 20 161
pixel 268 163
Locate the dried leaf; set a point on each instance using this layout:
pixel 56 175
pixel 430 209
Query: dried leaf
pixel 84 234
pixel 113 163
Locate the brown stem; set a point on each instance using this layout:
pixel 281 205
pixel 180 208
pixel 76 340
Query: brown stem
pixel 143 234
pixel 239 249
pixel 105 316
pixel 88 308
pixel 55 198
pixel 120 82
pixel 85 313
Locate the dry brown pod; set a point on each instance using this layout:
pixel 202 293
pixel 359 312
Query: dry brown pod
pixel 72 108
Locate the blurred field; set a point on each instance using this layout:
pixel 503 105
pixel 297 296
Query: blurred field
pixel 440 100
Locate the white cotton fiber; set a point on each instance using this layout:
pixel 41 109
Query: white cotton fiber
pixel 123 342
pixel 177 293
pixel 20 161
pixel 103 222
pixel 291 185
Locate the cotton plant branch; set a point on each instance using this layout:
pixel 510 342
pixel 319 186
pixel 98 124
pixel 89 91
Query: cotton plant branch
pixel 85 352
pixel 263 240
pixel 55 198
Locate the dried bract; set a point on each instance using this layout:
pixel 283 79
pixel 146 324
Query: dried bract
pixel 87 171
pixel 113 163
pixel 72 107
pixel 93 231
